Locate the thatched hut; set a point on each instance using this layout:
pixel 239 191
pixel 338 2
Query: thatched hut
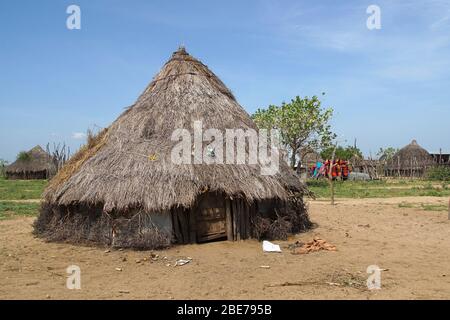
pixel 34 164
pixel 123 188
pixel 410 161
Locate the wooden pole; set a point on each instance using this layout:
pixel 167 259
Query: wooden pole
pixel 246 220
pixel 238 217
pixel 192 225
pixel 229 220
pixel 241 218
pixel 234 215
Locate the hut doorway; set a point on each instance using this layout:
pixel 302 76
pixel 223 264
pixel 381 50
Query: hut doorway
pixel 220 217
pixel 211 218
pixel 214 217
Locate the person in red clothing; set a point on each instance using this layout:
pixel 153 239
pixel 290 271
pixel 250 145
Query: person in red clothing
pixel 345 170
pixel 327 169
pixel 334 172
pixel 338 168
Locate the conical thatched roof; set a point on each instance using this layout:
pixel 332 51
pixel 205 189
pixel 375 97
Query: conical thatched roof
pixel 129 165
pixel 37 160
pixel 411 156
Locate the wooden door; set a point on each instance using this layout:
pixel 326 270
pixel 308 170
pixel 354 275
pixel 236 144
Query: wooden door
pixel 211 218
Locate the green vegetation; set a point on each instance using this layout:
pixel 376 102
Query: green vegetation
pixel 23 156
pixel 434 207
pixel 388 153
pixel 378 189
pixel 342 153
pixel 21 189
pixel 15 196
pixel 3 164
pixel 10 209
pixel 406 205
pixel 439 174
pixel 424 206
pixel 303 124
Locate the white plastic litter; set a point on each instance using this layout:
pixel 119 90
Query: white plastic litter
pixel 182 262
pixel 270 247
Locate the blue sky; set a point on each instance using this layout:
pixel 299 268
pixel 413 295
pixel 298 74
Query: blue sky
pixel 387 86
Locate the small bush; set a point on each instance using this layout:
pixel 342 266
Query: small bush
pixel 291 219
pixel 23 156
pixel 317 183
pixel 3 164
pixel 439 174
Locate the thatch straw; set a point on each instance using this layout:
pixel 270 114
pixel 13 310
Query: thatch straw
pixel 288 219
pixel 36 160
pixel 76 161
pixel 88 225
pixel 412 156
pixel 129 164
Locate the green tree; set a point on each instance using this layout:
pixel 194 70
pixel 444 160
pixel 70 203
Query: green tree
pixel 303 125
pixel 387 154
pixel 347 153
pixel 23 156
pixel 3 164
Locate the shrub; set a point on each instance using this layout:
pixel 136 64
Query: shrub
pixel 3 164
pixel 293 218
pixel 439 174
pixel 23 156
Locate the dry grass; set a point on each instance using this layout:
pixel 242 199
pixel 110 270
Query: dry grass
pixel 77 160
pixel 91 227
pixel 289 220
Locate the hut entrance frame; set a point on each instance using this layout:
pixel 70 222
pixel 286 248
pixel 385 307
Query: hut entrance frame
pixel 213 217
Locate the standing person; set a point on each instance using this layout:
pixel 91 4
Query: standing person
pixel 345 171
pixel 339 169
pixel 327 169
pixel 322 171
pixel 334 172
pixel 317 169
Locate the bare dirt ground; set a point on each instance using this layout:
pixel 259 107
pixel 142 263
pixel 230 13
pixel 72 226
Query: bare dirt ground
pixel 411 244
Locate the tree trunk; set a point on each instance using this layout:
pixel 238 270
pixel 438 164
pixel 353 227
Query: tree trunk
pixel 293 159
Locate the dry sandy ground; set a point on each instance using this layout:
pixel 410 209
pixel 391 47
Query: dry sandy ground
pixel 412 244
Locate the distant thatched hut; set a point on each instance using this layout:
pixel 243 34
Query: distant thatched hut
pixel 309 159
pixel 123 188
pixel 410 161
pixel 34 164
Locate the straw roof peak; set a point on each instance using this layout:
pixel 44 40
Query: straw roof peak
pixel 181 51
pixel 37 148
